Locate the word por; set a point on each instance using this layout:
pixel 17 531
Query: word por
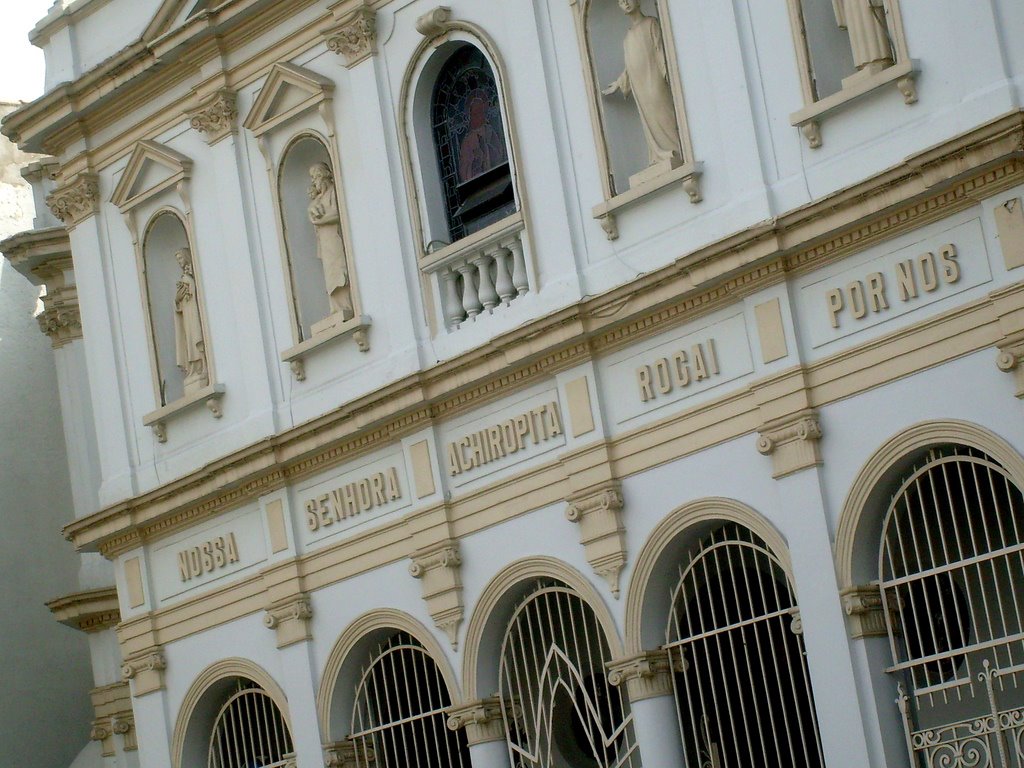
pixel 924 273
pixel 207 557
pixel 503 439
pixel 353 499
pixel 668 373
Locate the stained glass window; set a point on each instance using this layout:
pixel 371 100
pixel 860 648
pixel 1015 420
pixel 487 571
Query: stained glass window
pixel 470 141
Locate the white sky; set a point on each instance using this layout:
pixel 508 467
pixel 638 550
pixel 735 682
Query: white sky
pixel 21 63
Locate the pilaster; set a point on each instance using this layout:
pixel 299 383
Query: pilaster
pixel 1009 306
pixel 789 431
pixel 647 675
pixel 145 670
pixel 482 720
pixel 113 718
pixel 290 618
pixel 436 563
pixel 648 680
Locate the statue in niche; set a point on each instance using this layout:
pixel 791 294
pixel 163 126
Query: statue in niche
pixel 189 344
pixel 645 78
pixel 864 21
pixel 330 249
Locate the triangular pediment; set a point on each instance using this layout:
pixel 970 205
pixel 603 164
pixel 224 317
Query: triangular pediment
pixel 288 91
pixel 151 169
pixel 174 13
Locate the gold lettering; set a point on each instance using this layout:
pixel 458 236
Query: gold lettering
pixel 508 433
pixel 454 465
pixel 522 430
pixel 377 482
pixel 700 368
pixel 230 549
pixel 348 496
pixel 365 499
pixel 681 369
pixel 206 556
pixel 664 382
pixel 905 280
pixel 643 379
pixel 194 565
pixel 494 440
pixel 950 266
pixel 537 424
pixel 834 299
pixel 183 565
pixel 712 357
pixel 391 482
pixel 929 275
pixel 219 561
pixel 554 420
pixel 465 463
pixel 876 292
pixel 324 510
pixel 336 504
pixel 855 293
pixel 477 456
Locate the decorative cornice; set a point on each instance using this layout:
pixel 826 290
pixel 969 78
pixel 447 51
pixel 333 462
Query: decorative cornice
pixel 216 117
pixel 76 200
pixel 863 604
pixel 91 611
pixel 290 618
pixel 792 442
pixel 355 37
pixel 437 567
pixel 482 720
pixel 647 675
pixel 598 510
pixel 145 670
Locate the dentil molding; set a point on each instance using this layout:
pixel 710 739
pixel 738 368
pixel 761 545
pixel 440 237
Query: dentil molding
pixel 290 619
pixel 355 36
pixel 598 511
pixel 481 719
pixel 76 200
pixel 647 675
pixel 438 569
pixel 216 117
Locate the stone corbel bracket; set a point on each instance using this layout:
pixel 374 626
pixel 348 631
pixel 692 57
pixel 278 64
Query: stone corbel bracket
pixel 60 318
pixel 792 442
pixel 124 726
pixel 863 605
pixel 1011 360
pixel 290 619
pixel 216 117
pixel 102 733
pixel 482 720
pixel 145 670
pixel 1009 306
pixel 647 675
pixel 76 200
pixel 354 38
pixel 435 23
pixel 438 569
pixel 598 511
pixel 342 754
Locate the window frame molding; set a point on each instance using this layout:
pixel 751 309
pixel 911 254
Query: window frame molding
pixel 902 72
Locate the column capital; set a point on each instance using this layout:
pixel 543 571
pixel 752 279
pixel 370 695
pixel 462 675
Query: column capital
pixel 482 720
pixel 863 604
pixel 216 116
pixel 146 669
pixel 647 675
pixel 354 38
pixel 792 442
pixel 290 618
pixel 75 200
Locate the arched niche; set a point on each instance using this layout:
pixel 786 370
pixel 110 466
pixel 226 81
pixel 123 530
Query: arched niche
pixel 497 605
pixel 305 271
pixel 656 573
pixel 341 675
pixel 203 701
pixel 165 237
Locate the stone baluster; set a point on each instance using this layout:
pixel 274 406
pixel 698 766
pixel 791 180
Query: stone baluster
pixel 519 277
pixel 488 295
pixel 503 281
pixel 470 299
pixel 453 311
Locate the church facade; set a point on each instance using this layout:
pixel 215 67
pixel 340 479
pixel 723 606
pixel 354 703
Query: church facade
pixel 540 383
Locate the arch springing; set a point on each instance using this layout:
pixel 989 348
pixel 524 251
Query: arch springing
pixel 250 732
pixel 743 693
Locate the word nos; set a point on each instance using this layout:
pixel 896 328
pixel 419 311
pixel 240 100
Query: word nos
pixel 925 273
pixel 668 373
pixel 207 557
pixel 504 438
pixel 353 499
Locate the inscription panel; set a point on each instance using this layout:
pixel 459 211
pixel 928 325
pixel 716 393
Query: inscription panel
pixel 673 370
pixel 895 284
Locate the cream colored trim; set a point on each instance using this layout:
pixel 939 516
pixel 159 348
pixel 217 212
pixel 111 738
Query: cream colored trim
pixel 647 675
pixel 233 667
pixel 438 568
pixel 422 469
pixel 581 413
pixel 76 199
pixel 482 720
pixel 792 442
pixel 93 610
pixel 133 581
pixel 354 38
pixel 145 152
pixel 216 117
pixel 598 511
pixel 290 619
pixel 112 716
pixel 1009 216
pixel 770 332
pixel 855 513
pixel 672 525
pixel 382 618
pixel 276 526
pixel 145 670
pixel 1009 306
pixel 515 573
pixel 863 606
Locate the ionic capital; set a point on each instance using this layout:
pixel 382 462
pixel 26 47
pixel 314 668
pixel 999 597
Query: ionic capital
pixel 647 675
pixel 482 720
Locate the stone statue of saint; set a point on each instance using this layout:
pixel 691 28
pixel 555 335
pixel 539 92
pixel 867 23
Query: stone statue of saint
pixel 189 344
pixel 864 21
pixel 323 213
pixel 646 80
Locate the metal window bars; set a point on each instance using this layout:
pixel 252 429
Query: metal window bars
pixel 743 693
pixel 250 732
pixel 399 719
pixel 952 574
pixel 556 702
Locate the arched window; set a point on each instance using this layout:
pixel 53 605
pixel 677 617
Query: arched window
pixel 558 706
pixel 743 695
pixel 399 715
pixel 469 136
pixel 952 573
pixel 250 732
